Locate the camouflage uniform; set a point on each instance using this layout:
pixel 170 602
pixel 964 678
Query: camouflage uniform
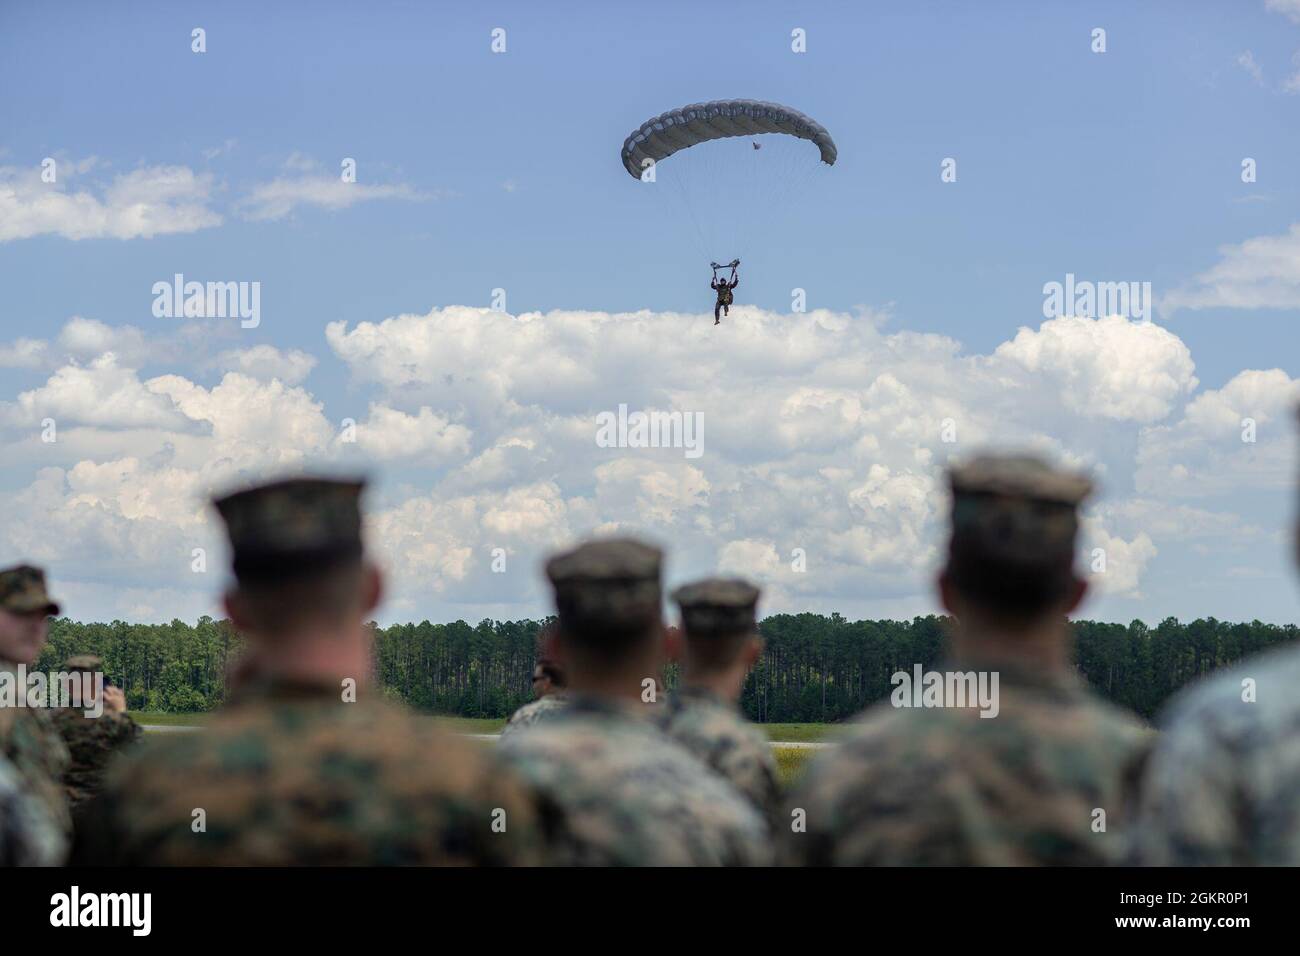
pixel 718 734
pixel 29 836
pixel 725 296
pixel 705 723
pixel 91 741
pixel 536 710
pixel 28 737
pixel 946 786
pixel 287 772
pixel 612 788
pixel 1222 787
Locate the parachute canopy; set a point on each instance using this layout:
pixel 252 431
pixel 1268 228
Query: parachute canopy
pixel 678 129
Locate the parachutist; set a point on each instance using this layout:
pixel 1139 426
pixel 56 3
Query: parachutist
pixel 723 287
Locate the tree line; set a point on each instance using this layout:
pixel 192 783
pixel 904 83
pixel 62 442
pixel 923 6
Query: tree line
pixel 814 668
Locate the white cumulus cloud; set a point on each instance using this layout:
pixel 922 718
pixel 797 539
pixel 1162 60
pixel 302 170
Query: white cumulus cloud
pixel 146 202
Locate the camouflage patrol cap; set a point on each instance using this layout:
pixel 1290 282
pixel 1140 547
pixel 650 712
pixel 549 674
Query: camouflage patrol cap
pixel 84 662
pixel 717 606
pixel 22 591
pixel 611 584
pixel 1016 508
pixel 292 526
pixel 1014 516
pixel 1019 476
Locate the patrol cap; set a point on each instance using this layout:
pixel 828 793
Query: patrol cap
pixel 1019 476
pixel 22 590
pixel 717 606
pixel 293 526
pixel 1014 515
pixel 610 584
pixel 84 662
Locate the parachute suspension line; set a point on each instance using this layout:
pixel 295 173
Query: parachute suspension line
pixel 726 218
pixel 793 173
pixel 682 195
pixel 697 176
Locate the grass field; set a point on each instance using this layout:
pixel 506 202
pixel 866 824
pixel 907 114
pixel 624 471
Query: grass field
pixel 790 759
pixel 144 717
pixel 791 762
pixel 802 733
pixel 473 725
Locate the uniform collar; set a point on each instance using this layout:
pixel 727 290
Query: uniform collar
pixel 609 707
pixel 688 693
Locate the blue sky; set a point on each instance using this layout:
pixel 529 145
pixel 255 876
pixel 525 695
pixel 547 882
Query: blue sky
pixel 501 171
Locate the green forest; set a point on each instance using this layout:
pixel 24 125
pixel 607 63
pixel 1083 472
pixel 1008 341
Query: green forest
pixel 814 668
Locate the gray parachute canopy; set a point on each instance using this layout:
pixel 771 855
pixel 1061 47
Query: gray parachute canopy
pixel 678 129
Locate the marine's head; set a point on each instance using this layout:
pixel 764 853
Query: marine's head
pixel 1011 551
pixel 297 556
pixel 25 610
pixel 547 679
pixel 608 601
pixel 719 626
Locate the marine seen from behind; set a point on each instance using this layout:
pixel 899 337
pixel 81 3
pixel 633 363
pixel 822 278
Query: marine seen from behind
pixel 1002 757
pixel 1222 787
pixel 612 787
pixel 719 646
pixel 306 764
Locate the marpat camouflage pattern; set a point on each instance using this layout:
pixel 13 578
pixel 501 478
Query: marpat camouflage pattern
pixel 945 787
pixel 29 836
pixel 613 790
pixel 534 711
pixel 716 732
pixel 32 745
pixel 1222 787
pixel 291 775
pixel 91 742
